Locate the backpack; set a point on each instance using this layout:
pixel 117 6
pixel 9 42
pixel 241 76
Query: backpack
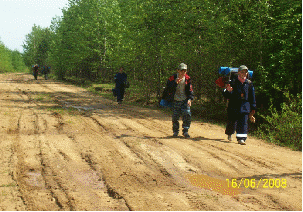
pixel 167 98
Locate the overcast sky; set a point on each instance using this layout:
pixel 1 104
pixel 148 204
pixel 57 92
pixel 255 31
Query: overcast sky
pixel 19 16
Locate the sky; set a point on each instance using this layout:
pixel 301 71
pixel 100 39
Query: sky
pixel 19 16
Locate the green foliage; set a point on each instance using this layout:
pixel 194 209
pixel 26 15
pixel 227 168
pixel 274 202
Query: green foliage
pixel 36 46
pixel 11 61
pixel 18 62
pixel 284 127
pixel 5 59
pixel 285 58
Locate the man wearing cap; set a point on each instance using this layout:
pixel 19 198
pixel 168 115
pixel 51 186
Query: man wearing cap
pixel 242 105
pixel 181 92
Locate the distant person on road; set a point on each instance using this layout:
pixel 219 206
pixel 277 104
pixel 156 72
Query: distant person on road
pixel 46 71
pixel 120 80
pixel 241 106
pixel 35 71
pixel 179 89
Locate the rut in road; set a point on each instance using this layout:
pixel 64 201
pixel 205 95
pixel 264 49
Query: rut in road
pixel 68 149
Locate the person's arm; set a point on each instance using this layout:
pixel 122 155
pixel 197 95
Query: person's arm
pixel 252 101
pixel 252 98
pixel 190 93
pixel 227 92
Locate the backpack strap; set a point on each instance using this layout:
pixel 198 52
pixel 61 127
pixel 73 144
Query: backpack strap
pixel 249 84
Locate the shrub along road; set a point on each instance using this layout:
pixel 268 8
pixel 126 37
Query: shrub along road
pixel 64 148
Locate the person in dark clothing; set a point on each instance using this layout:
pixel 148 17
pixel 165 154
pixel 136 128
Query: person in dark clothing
pixel 46 71
pixel 35 71
pixel 120 80
pixel 241 106
pixel 180 91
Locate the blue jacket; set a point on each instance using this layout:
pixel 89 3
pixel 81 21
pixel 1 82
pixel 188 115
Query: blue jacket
pixel 242 98
pixel 120 79
pixel 171 86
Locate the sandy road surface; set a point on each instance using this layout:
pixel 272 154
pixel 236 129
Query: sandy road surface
pixel 63 148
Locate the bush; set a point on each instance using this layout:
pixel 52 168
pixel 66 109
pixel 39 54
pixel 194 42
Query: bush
pixel 284 127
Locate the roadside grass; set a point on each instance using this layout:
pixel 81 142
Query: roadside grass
pixel 8 185
pixel 21 70
pixel 101 89
pixel 64 110
pixel 42 97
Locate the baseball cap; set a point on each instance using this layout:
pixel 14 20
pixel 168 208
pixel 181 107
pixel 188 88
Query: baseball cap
pixel 242 67
pixel 182 66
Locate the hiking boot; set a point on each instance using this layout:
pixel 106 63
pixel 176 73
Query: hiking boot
pixel 229 137
pixel 186 135
pixel 175 134
pixel 242 142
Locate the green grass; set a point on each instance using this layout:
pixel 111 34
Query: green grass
pixel 8 185
pixel 41 97
pixel 64 111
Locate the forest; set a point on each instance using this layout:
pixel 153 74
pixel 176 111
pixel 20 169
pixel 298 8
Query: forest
pixel 11 60
pixel 150 38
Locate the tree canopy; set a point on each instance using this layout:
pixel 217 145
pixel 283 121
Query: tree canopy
pixel 11 61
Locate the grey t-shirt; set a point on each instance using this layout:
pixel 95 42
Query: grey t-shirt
pixel 180 90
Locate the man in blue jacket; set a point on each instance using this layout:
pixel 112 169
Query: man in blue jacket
pixel 179 90
pixel 242 105
pixel 120 80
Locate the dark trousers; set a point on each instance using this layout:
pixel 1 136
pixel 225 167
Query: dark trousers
pixel 120 94
pixel 239 123
pixel 36 74
pixel 181 108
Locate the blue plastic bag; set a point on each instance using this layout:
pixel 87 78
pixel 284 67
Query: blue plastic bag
pixel 225 71
pixel 165 103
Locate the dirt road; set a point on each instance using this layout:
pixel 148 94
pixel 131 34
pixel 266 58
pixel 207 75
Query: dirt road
pixel 63 148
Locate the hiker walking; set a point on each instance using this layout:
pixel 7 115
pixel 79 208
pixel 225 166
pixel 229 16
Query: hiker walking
pixel 35 71
pixel 120 80
pixel 46 71
pixel 179 88
pixel 241 106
